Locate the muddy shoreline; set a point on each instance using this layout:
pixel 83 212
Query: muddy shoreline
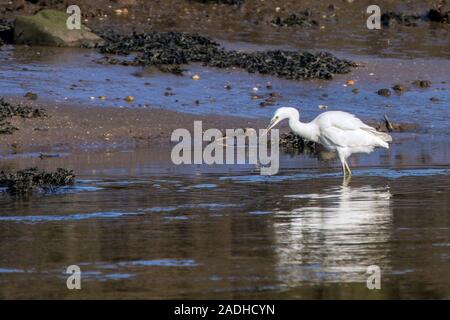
pixel 70 127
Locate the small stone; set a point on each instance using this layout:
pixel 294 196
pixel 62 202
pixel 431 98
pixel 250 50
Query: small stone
pixel 31 95
pixel 351 82
pixel 434 99
pixel 119 12
pixel 422 83
pixel 399 88
pixel 102 97
pixel 355 90
pixel 195 77
pixel 384 92
pixel 129 99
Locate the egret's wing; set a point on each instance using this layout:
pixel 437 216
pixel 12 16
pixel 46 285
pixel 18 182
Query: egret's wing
pixel 342 129
pixel 341 120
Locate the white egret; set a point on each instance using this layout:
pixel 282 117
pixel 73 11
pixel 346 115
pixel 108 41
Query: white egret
pixel 336 130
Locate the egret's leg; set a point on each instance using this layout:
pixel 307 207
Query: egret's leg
pixel 341 157
pixel 347 167
pixel 343 168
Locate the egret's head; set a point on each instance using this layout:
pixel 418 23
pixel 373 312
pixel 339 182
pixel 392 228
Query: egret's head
pixel 283 113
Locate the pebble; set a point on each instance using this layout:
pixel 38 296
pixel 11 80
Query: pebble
pixel 129 99
pixel 384 92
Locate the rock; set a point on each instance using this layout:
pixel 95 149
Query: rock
pixel 129 99
pixel 422 83
pixel 293 144
pixel 384 92
pixel 31 95
pixel 399 88
pixel 434 99
pixel 48 27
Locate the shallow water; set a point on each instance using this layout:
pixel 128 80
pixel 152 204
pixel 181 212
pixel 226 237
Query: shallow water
pixel 74 76
pixel 141 228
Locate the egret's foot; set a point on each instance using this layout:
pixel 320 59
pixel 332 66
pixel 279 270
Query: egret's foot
pixel 346 180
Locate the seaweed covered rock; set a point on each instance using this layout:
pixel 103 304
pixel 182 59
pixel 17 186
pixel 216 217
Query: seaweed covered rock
pixel 391 18
pixel 440 14
pixel 303 19
pixel 9 110
pixel 48 27
pixel 175 48
pixel 6 32
pixel 294 144
pixel 25 181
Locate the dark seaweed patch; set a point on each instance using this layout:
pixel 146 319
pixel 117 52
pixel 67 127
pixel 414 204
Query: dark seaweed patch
pixel 293 144
pixel 6 32
pixel 303 19
pixel 440 15
pixel 25 181
pixel 9 110
pixel 391 17
pixel 175 48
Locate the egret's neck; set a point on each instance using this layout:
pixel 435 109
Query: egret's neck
pixel 308 131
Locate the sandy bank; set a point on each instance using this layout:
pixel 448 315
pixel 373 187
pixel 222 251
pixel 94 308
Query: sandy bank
pixel 71 127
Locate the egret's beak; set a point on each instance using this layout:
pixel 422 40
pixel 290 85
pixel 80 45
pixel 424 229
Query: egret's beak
pixel 273 123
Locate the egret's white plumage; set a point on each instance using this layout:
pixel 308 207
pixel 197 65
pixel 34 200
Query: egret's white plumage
pixel 337 131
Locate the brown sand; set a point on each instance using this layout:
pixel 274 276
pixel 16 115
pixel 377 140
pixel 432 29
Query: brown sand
pixel 71 127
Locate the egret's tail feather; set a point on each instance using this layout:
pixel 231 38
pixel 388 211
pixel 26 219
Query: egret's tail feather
pixel 382 135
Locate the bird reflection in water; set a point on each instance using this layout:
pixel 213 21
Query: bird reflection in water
pixel 334 235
